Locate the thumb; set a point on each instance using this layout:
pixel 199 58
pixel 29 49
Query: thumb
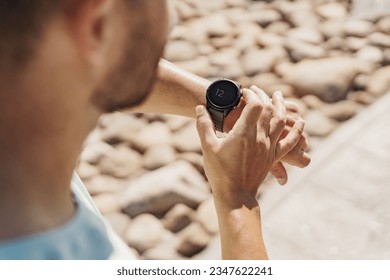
pixel 205 126
pixel 280 173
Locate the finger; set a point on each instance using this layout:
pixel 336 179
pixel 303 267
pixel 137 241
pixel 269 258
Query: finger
pixel 266 115
pixel 303 143
pixel 205 127
pixel 297 158
pixel 280 173
pixel 250 114
pixel 278 121
pixel 290 141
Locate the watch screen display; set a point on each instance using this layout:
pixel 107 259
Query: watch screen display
pixel 222 93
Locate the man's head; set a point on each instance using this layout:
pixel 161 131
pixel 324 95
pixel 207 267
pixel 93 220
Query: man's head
pixel 107 49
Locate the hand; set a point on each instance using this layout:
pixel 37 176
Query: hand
pixel 297 156
pixel 237 164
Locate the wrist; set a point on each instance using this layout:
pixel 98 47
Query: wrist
pixel 227 201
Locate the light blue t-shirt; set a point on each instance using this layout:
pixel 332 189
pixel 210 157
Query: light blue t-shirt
pixel 86 236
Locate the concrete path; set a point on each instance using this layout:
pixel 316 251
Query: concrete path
pixel 339 207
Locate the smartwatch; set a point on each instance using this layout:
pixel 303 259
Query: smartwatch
pixel 222 97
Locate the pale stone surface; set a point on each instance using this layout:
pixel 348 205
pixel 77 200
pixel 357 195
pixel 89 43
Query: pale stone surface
pixel 193 239
pixel 207 216
pixel 328 78
pixel 158 191
pixel 178 217
pixel 144 232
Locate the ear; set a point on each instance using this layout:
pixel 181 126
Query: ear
pixel 87 19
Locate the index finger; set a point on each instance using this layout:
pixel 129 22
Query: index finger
pixel 251 113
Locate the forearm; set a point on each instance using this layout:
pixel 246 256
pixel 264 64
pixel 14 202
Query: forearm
pixel 240 231
pixel 176 91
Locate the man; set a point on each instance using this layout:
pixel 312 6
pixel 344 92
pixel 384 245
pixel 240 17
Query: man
pixel 63 63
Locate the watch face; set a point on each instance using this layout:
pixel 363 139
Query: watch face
pixel 223 93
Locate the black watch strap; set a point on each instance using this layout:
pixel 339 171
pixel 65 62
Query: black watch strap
pixel 217 117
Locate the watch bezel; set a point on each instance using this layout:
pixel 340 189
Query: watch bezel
pixel 233 104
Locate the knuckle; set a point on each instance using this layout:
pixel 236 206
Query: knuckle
pixel 255 105
pixel 280 122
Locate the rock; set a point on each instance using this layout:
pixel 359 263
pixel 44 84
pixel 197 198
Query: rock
pixel 206 49
pixel 263 17
pixel 332 10
pixel 193 239
pixel 298 102
pixel 244 42
pixel 176 123
pixel 158 191
pixel 93 152
pixel 199 66
pixel 370 54
pixel 103 184
pixel 335 43
pixel 266 80
pixel 302 18
pixel 379 82
pixel 121 163
pixel 144 232
pixel 222 42
pixel 86 170
pixel 246 28
pixel 207 216
pixel 212 251
pixel 225 57
pixel 165 250
pixel 313 101
pixel 120 127
pixel 186 10
pixel 317 124
pixel 300 50
pixel 386 54
pixel 191 33
pixel 362 97
pixel 195 159
pixel 363 9
pixel 232 71
pixel 354 43
pixel 154 134
pixel 94 137
pixel 106 203
pixel 379 39
pixel 178 218
pixel 383 25
pixel 306 34
pixel 187 139
pixel 259 61
pixel 270 40
pixel 341 111
pixel 329 78
pixel 217 25
pixel 332 28
pixel 180 50
pixel 119 222
pixel 358 28
pixel 361 81
pixel 278 27
pixel 158 156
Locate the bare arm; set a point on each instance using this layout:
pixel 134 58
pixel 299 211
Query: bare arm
pixel 176 91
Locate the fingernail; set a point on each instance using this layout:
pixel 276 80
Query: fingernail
pixel 199 110
pixel 282 181
pixel 253 87
pixel 279 94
